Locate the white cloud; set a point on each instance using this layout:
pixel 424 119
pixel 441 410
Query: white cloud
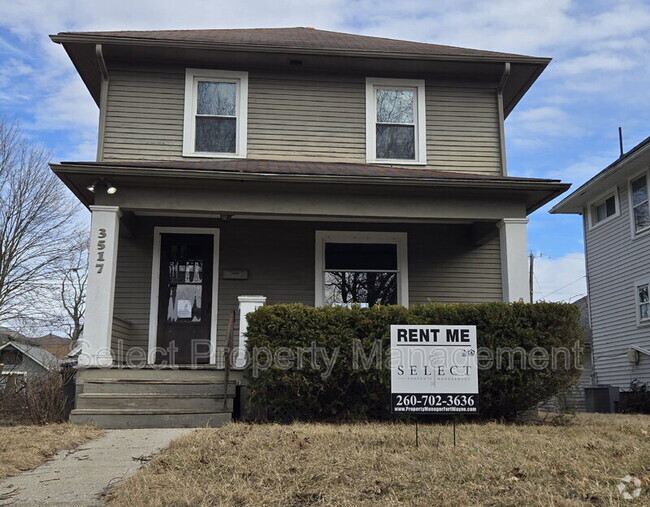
pixel 561 279
pixel 549 121
pixel 584 168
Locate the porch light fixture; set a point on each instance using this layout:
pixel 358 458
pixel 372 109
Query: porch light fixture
pixel 110 188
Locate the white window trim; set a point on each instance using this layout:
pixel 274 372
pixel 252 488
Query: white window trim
pixel 591 208
pixel 155 287
pixel 192 76
pixel 645 230
pixel 371 115
pixel 637 303
pixel 397 238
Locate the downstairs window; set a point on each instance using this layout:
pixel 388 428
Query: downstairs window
pixel 360 268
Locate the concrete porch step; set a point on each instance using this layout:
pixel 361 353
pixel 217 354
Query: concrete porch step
pixel 150 418
pixel 206 402
pixel 156 386
pixel 152 374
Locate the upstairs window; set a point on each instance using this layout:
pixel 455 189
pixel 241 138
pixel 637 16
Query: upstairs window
pixel 643 302
pixel 639 203
pixel 395 121
pixel 603 209
pixel 215 113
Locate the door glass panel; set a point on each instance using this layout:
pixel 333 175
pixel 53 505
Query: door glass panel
pixel 185 285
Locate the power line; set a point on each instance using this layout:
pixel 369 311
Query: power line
pixel 567 285
pixel 539 287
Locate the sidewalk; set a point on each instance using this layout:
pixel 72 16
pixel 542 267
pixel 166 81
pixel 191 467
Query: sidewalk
pixel 80 476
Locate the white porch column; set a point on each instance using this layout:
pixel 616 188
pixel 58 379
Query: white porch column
pixel 100 292
pixel 247 304
pixel 514 258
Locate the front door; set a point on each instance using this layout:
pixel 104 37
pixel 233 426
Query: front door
pixel 185 298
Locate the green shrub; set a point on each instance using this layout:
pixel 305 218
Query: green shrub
pixel 306 393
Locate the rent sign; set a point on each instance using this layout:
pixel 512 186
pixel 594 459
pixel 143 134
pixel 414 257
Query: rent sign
pixel 434 369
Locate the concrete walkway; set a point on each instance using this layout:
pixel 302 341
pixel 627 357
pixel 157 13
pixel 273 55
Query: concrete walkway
pixel 81 476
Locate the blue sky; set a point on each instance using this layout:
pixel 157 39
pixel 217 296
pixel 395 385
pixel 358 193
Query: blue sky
pixel 565 127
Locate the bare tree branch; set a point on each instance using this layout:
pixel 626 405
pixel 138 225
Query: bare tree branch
pixel 36 224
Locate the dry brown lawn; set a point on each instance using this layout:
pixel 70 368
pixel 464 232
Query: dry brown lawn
pixel 25 447
pixel 378 464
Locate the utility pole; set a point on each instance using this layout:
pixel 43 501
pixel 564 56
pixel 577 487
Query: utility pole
pixel 531 275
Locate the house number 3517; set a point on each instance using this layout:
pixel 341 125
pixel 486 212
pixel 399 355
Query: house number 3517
pixel 101 246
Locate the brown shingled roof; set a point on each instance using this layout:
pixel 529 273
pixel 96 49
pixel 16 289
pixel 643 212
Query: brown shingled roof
pixel 301 168
pixel 298 38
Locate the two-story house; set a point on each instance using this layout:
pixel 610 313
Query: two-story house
pixel 244 167
pixel 616 220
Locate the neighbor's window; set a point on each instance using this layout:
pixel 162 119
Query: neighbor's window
pixel 11 356
pixel 395 122
pixel 215 113
pixel 360 269
pixel 603 209
pixel 643 301
pixel 640 206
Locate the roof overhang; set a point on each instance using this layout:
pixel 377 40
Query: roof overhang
pixel 81 48
pixel 627 166
pixel 532 193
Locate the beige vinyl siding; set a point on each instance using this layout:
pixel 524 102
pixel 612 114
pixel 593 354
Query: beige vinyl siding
pixel 133 287
pixel 444 265
pixel 616 260
pixel 298 117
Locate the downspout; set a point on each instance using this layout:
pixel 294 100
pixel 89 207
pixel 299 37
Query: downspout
pixel 103 99
pixel 502 119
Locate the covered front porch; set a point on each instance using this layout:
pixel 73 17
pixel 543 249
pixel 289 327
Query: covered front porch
pixel 179 256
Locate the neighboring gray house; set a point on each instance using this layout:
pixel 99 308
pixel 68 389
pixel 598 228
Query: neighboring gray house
pixel 616 217
pixel 237 168
pixel 20 360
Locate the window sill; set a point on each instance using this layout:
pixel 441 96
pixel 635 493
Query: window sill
pixel 604 221
pixel 213 155
pixel 397 162
pixel 640 234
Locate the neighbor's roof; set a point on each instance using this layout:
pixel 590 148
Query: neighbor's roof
pixel 310 172
pixel 56 345
pixel 295 38
pixel 41 356
pixel 631 162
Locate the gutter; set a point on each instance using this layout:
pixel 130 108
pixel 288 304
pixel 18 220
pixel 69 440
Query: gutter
pixel 552 187
pixel 103 100
pixel 310 178
pixel 502 119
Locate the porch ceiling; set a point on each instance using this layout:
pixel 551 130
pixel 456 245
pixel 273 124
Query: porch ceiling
pixel 261 187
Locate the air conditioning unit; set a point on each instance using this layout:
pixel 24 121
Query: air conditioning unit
pixel 601 398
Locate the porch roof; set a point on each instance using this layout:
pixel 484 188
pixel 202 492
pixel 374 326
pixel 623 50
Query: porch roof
pixel 535 192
